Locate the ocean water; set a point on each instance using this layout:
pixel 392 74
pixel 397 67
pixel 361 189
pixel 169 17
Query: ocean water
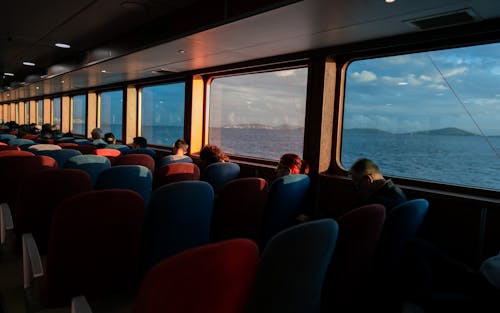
pixel 458 160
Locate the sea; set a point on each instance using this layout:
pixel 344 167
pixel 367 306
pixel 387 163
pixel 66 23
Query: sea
pixel 465 160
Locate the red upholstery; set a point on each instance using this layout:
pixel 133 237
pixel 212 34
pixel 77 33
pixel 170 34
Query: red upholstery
pixel 67 144
pixel 84 149
pixel 39 194
pixel 9 148
pixel 238 209
pixel 30 136
pixel 175 172
pixel 137 159
pixel 46 161
pixel 2 144
pixel 14 169
pixel 111 154
pixel 93 246
pixel 349 270
pixel 214 278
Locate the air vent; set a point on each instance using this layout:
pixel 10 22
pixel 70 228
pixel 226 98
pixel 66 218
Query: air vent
pixel 444 20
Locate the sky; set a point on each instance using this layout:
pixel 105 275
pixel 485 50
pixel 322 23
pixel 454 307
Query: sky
pixel 412 92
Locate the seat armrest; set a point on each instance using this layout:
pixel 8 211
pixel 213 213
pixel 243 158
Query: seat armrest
pixel 6 222
pixel 80 305
pixel 32 262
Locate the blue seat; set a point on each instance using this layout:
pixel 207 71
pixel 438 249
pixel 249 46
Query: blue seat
pixel 148 151
pixel 178 218
pixel 292 268
pixel 61 156
pixel 90 163
pixel 286 199
pixel 133 177
pixel 122 148
pixel 20 142
pixel 220 173
pixel 7 137
pixel 168 160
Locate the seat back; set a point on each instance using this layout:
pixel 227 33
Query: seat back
pixel 351 264
pixel 178 218
pixel 92 164
pixel 61 155
pixel 214 278
pixel 39 194
pixel 220 173
pixel 111 154
pixel 93 246
pixel 43 146
pixel 169 159
pixel 7 137
pixel 286 199
pixel 292 268
pixel 137 159
pixel 9 148
pixel 238 209
pixel 84 149
pixel 134 177
pixel 175 172
pixel 147 151
pixel 20 142
pixel 14 150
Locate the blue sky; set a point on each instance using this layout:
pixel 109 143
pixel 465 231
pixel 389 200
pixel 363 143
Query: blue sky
pixel 408 93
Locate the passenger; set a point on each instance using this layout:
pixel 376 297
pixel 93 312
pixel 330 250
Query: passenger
pixel 97 137
pixel 373 187
pixel 180 149
pixel 109 138
pixel 139 142
pixel 140 146
pixel 211 154
pixel 291 163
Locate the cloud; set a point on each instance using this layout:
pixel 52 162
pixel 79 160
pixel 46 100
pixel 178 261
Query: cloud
pixel 285 73
pixel 455 71
pixel 364 76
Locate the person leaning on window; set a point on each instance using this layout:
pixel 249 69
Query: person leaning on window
pixel 211 154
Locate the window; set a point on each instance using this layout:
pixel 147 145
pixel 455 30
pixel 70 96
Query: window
pixel 39 111
pixel 79 114
pixel 56 112
pixel 430 116
pixel 260 114
pixel 111 113
pixel 162 113
pixel 27 112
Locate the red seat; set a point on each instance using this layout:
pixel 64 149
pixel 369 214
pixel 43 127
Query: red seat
pixel 238 209
pixel 215 278
pixel 67 144
pixel 111 154
pixel 137 159
pixel 175 172
pixel 84 149
pixel 9 148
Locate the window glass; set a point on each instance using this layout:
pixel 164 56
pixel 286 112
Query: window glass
pixel 27 112
pixel 260 114
pixel 111 113
pixel 162 113
pixel 430 116
pixel 56 112
pixel 39 110
pixel 79 114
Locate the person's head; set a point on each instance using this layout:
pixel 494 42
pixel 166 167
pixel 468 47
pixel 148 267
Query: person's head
pixel 109 138
pixel 365 175
pixel 180 147
pixel 139 142
pixel 291 163
pixel 96 133
pixel 212 154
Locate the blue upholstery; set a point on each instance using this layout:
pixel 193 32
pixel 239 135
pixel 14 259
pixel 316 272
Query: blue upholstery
pixel 90 163
pixel 178 218
pixel 122 148
pixel 20 142
pixel 167 160
pixel 61 156
pixel 7 137
pixel 220 173
pixel 148 151
pixel 83 141
pixel 292 269
pixel 134 177
pixel 286 199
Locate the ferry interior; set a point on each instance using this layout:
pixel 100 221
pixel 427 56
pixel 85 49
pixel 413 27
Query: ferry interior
pixel 411 85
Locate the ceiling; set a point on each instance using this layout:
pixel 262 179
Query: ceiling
pixel 119 40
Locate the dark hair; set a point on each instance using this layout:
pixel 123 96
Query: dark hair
pixel 181 144
pixel 109 138
pixel 141 141
pixel 211 154
pixel 291 161
pixel 363 165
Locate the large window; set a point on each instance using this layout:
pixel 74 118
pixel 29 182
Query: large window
pixel 111 113
pixel 27 112
pixel 56 112
pixel 430 116
pixel 79 114
pixel 39 110
pixel 162 113
pixel 259 114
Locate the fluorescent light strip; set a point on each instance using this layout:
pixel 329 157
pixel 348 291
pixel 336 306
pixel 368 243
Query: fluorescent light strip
pixel 8 74
pixel 29 63
pixel 62 45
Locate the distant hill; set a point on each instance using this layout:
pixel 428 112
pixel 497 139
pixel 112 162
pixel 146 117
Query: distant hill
pixel 448 131
pixel 262 126
pixel 367 130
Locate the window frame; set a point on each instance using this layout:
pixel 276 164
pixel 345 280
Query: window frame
pixel 123 110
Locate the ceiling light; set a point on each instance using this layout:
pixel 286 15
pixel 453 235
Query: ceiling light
pixel 62 81
pixel 37 87
pixel 390 1
pixel 29 63
pixel 8 74
pixel 62 45
pixel 103 71
pixel 181 51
